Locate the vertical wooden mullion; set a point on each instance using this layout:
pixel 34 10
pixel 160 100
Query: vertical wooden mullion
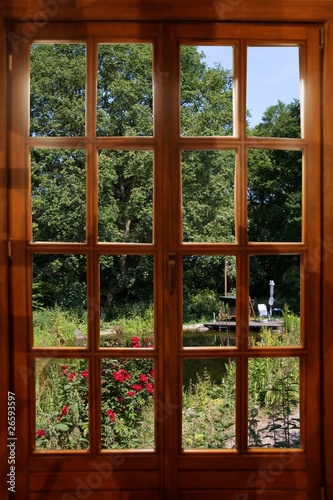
pixel 171 223
pixel 158 241
pixel 92 237
pixel 312 266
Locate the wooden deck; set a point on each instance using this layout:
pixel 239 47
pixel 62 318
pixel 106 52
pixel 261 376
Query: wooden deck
pixel 254 325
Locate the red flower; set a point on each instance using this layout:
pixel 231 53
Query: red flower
pixel 125 374
pixel 64 367
pixel 136 346
pixel 111 415
pixel 143 378
pixel 118 376
pixel 59 418
pixel 149 388
pixel 65 410
pixel 151 371
pixel 135 340
pixel 84 374
pixel 72 375
pixel 137 387
pixel 40 433
pixel 119 400
pixel 130 393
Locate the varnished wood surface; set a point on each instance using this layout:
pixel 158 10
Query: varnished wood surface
pixel 4 317
pixel 189 10
pixel 299 10
pixel 327 262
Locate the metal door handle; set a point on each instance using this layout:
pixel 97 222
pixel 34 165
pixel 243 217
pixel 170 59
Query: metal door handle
pixel 172 266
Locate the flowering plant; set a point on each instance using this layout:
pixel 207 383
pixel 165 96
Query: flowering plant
pixel 127 386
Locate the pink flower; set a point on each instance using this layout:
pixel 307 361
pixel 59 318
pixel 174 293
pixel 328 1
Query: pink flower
pixel 130 393
pixel 143 378
pixel 111 415
pixel 40 433
pixel 65 410
pixel 84 374
pixel 149 388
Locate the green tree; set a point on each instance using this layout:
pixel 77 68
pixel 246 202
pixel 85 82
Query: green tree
pixel 125 183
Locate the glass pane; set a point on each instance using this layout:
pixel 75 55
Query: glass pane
pixel 209 300
pixel 127 301
pixel 128 403
pixel 58 195
pixel 125 90
pixel 125 196
pixel 274 403
pixel 59 300
pixel 62 410
pixel 57 89
pixel 206 90
pixel 273 91
pixel 208 185
pixel 209 403
pixel 275 292
pixel 274 196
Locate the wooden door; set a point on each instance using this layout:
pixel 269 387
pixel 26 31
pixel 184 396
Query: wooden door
pixel 160 154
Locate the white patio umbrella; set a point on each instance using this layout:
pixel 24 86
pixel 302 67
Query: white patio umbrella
pixel 271 296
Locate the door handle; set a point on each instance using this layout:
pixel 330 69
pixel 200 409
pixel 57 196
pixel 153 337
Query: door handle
pixel 172 268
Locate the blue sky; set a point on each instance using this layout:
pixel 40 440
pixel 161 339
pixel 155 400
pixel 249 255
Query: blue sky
pixel 273 74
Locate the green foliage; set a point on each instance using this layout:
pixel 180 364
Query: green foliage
pixel 125 194
pixel 62 404
pixel 57 89
pixel 208 415
pixel 205 96
pixel 125 90
pixel 56 327
pixel 62 413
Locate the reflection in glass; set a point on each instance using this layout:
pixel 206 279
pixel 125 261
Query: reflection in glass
pixel 125 196
pixel 127 301
pixel 209 300
pixel 57 89
pixel 209 403
pixel 127 403
pixel 273 91
pixel 274 196
pixel 206 91
pixel 58 195
pixel 62 410
pixel 275 292
pixel 274 416
pixel 125 90
pixel 59 300
pixel 208 184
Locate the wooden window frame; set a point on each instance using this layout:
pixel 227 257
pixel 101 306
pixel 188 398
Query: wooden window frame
pixel 306 11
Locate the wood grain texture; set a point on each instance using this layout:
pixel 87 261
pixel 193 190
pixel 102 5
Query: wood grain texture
pixel 193 10
pixel 327 259
pixel 4 336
